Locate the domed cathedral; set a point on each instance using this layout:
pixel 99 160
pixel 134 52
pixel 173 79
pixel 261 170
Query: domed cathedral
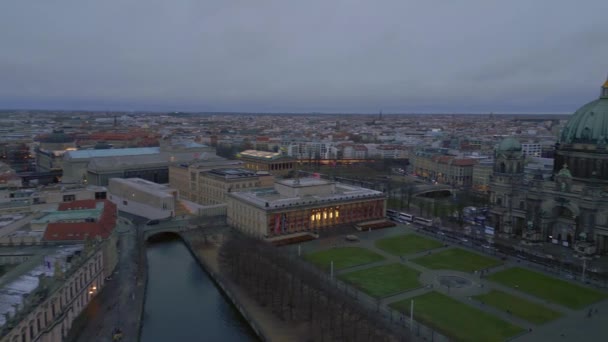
pixel 571 209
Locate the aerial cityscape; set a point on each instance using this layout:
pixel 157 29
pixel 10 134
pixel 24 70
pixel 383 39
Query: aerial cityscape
pixel 319 171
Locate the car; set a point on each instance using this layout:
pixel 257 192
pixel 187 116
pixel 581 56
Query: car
pixel 352 238
pixel 152 222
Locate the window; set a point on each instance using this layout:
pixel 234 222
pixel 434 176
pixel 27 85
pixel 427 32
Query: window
pixel 69 198
pixel 100 195
pixel 125 202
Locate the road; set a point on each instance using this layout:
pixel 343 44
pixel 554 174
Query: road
pixel 119 302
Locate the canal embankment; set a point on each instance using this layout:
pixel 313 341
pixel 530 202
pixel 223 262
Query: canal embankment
pixel 266 325
pixel 183 302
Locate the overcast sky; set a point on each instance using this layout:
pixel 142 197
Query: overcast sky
pixel 401 56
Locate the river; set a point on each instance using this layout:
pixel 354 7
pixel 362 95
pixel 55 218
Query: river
pixel 183 303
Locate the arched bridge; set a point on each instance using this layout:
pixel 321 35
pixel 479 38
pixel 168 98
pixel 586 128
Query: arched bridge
pixel 153 230
pixel 203 225
pixel 427 189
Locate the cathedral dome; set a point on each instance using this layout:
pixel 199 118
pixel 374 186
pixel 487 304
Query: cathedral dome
pixel 509 144
pixel 589 124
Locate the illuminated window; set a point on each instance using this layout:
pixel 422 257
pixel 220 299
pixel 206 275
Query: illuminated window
pixel 312 217
pixel 331 214
pixel 325 215
pixel 318 216
pixel 337 214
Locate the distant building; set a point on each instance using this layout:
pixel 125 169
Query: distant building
pixel 531 149
pixel 442 168
pixel 143 198
pixel 187 178
pixel 302 205
pixel 35 200
pixel 49 154
pixel 215 185
pixel 151 163
pixel 274 163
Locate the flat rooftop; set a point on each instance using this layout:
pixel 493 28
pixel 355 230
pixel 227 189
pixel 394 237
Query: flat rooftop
pixel 233 173
pixel 84 154
pixel 262 155
pixel 304 182
pixel 71 215
pixel 23 280
pixel 269 198
pixel 143 185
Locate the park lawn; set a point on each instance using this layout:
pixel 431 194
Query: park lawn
pixel 407 244
pixel 5 269
pixel 549 288
pixel 457 320
pixel 385 280
pixel 343 257
pixel 456 259
pixel 520 307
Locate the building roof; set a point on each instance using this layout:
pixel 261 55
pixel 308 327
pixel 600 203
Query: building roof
pixel 261 155
pixel 15 291
pixel 78 205
pixel 162 159
pixel 77 230
pixel 57 136
pixel 117 152
pixel 144 186
pixel 233 173
pixel 270 199
pixel 509 144
pixel 589 124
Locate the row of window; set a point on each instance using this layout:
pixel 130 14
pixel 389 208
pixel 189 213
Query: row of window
pixel 67 295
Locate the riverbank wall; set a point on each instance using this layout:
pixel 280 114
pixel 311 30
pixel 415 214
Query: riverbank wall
pixel 141 284
pixel 208 261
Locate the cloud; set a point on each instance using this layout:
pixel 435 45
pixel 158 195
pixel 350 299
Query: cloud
pixel 345 56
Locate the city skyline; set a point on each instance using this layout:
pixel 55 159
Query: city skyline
pixel 355 57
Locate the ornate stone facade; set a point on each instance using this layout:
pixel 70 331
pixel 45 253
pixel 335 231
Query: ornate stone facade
pixel 570 209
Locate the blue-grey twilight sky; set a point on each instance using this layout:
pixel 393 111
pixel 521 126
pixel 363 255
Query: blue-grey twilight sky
pixel 299 56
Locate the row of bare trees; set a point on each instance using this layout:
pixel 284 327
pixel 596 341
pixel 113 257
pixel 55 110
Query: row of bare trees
pixel 297 293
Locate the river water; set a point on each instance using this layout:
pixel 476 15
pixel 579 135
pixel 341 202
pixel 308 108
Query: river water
pixel 182 302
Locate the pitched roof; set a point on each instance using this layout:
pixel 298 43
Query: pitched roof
pixel 76 205
pixel 78 231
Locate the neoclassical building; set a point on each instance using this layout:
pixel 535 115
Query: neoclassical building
pixel 570 209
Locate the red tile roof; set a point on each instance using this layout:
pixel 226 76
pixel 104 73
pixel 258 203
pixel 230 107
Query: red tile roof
pixel 464 162
pixel 78 231
pixel 81 204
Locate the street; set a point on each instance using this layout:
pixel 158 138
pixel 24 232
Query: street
pixel 119 302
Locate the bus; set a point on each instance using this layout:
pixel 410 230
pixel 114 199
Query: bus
pixel 405 217
pixel 391 214
pixel 423 221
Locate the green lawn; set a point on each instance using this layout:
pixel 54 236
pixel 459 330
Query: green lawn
pixel 548 288
pixel 343 257
pixel 5 268
pixel 456 319
pixel 407 244
pixel 518 306
pixel 456 259
pixel 384 280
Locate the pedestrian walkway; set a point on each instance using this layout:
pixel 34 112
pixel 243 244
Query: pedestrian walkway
pixel 429 280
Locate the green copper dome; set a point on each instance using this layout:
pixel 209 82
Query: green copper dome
pixel 509 144
pixel 589 124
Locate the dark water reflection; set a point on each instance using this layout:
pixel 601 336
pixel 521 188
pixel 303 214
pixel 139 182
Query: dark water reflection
pixel 182 303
